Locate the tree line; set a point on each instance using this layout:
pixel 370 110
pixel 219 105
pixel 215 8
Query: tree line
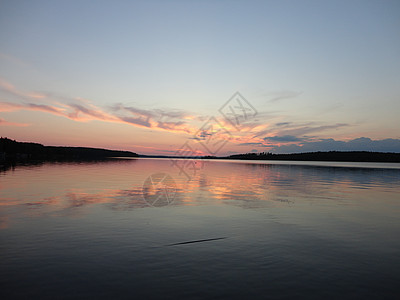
pixel 353 156
pixel 11 150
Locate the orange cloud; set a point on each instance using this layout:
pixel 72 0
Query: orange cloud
pixel 254 131
pixel 82 110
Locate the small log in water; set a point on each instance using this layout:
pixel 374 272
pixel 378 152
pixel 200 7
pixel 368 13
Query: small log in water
pixel 196 241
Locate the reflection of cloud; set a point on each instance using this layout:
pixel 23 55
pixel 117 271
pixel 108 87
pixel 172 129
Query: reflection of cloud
pixel 244 184
pixel 113 198
pixel 45 201
pixel 107 196
pixel 4 222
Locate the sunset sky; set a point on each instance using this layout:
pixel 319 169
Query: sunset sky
pixel 147 76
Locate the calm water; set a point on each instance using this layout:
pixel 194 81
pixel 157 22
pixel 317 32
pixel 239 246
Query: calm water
pixel 84 230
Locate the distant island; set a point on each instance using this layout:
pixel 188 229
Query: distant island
pixel 349 156
pixel 13 151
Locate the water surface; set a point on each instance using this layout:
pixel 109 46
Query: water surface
pixel 234 230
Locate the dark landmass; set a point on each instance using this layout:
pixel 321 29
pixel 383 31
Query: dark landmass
pixel 157 156
pixel 13 151
pixel 349 156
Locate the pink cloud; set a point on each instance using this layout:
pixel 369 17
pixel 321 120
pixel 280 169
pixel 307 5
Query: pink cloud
pixel 6 123
pixel 11 89
pixel 82 110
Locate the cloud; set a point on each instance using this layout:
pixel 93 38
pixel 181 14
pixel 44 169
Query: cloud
pixel 359 144
pixel 163 119
pixel 45 108
pixel 72 111
pixel 8 88
pixel 83 110
pixel 263 131
pixel 251 144
pixel 136 121
pixel 285 138
pixel 292 144
pixel 89 113
pixel 176 126
pixel 171 120
pixel 8 107
pixel 177 114
pixel 293 129
pixel 283 123
pixel 6 123
pixel 133 110
pixel 311 129
pixel 283 95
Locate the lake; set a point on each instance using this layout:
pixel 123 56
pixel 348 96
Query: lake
pixel 162 229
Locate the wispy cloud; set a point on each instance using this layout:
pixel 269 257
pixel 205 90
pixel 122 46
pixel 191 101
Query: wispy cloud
pixel 7 87
pixel 6 123
pixel 137 121
pixel 252 144
pixel 283 123
pixel 358 144
pixel 284 138
pixel 291 134
pixel 83 110
pixel 118 107
pixel 311 129
pixel 163 119
pixel 8 106
pixel 80 112
pixel 278 96
pixel 269 130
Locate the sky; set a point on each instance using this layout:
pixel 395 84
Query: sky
pixel 202 77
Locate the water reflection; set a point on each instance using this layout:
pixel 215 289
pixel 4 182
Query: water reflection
pixel 76 229
pixel 67 188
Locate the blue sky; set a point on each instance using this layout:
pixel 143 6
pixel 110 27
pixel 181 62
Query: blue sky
pixel 328 69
